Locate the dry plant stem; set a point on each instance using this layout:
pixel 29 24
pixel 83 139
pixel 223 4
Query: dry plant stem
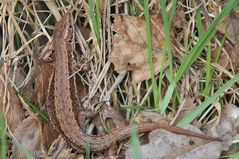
pixel 62 96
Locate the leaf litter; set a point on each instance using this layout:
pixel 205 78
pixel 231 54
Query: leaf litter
pixel 128 53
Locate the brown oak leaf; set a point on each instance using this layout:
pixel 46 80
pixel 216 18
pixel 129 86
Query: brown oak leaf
pixel 130 52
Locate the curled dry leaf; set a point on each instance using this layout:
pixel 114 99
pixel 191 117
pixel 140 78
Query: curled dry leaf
pixel 130 52
pixel 28 134
pixel 164 144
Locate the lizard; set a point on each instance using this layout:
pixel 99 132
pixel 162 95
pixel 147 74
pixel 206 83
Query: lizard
pixel 61 101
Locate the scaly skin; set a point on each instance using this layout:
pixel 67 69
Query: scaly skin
pixel 61 101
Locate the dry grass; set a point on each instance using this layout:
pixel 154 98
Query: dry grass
pixel 27 28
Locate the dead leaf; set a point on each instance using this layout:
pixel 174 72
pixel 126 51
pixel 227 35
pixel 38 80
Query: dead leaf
pixel 130 52
pixel 49 134
pixel 228 128
pixel 229 58
pixel 28 134
pixel 164 144
pixel 233 27
pixel 228 124
pixel 179 18
pixel 37 90
pixel 10 103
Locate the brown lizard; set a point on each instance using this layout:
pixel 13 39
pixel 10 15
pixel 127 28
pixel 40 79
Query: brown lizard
pixel 62 96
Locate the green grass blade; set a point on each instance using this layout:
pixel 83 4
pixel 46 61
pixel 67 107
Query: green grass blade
pixel 167 97
pixel 219 52
pixel 150 53
pixel 208 73
pixel 87 151
pixel 98 15
pixel 167 36
pixel 3 139
pixel 34 107
pixel 234 156
pixel 199 23
pixel 94 20
pixel 206 37
pixel 197 111
pixel 161 74
pixel 172 11
pixel 136 152
pixel 196 51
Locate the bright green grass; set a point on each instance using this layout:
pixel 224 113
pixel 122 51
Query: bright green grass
pixel 209 68
pixel 167 21
pixel 167 26
pixel 199 23
pixel 197 111
pixel 95 18
pixel 166 49
pixel 195 53
pixel 150 53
